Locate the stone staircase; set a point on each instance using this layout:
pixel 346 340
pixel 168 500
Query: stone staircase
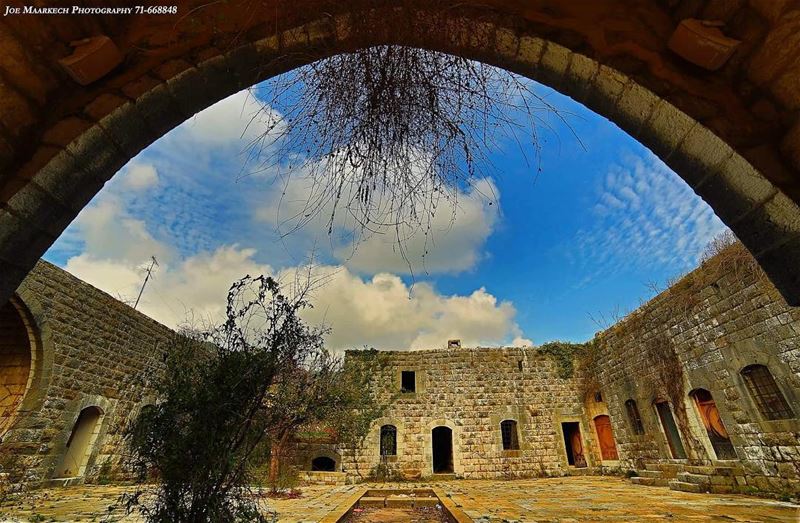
pixel 717 478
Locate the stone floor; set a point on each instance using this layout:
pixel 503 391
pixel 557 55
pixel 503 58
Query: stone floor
pixel 572 499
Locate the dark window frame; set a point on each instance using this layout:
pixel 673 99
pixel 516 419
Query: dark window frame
pixel 765 393
pixel 408 381
pixel 634 417
pixel 388 447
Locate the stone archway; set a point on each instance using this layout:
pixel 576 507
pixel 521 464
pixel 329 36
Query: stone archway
pixel 56 174
pixel 16 362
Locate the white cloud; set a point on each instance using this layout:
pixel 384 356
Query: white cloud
pixel 381 311
pixel 234 121
pixel 139 176
pixel 645 216
pixel 193 289
pixel 454 243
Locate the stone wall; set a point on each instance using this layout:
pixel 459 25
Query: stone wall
pixel 699 335
pixel 89 349
pixel 472 391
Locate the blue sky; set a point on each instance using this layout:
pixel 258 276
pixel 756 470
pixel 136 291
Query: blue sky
pixel 555 253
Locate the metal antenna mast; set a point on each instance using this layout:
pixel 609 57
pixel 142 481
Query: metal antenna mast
pixel 153 263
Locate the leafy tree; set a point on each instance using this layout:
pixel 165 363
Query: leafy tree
pixel 211 415
pixel 325 390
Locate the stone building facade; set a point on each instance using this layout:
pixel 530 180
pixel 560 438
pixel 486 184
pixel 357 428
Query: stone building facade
pixel 719 353
pixel 698 389
pixel 466 394
pixel 75 366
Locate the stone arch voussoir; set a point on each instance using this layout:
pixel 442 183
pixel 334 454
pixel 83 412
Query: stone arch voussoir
pixel 765 219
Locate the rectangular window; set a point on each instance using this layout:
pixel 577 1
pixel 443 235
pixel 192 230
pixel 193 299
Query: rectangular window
pixel 408 381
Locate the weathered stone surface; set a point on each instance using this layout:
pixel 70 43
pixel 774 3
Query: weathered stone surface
pixel 95 351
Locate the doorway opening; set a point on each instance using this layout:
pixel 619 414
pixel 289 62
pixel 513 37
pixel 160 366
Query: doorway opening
pixel 442 443
pixel 80 443
pixel 573 444
pixel 605 436
pixel 715 428
pixel 670 430
pixel 323 464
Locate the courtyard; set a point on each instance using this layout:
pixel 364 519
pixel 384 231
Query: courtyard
pixel 586 498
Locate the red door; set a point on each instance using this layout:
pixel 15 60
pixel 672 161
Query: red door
pixel 608 448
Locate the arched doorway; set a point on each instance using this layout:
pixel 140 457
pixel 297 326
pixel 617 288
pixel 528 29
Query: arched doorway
pixel 60 181
pixel 442 445
pixel 15 363
pixel 323 464
pixel 605 437
pixel 80 444
pixel 715 428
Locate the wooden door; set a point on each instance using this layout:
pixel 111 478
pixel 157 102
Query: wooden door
pixel 715 428
pixel 605 436
pixel 573 444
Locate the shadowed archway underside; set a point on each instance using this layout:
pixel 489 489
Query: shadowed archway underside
pixel 61 142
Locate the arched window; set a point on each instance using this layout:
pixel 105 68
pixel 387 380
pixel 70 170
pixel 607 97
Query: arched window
pixel 634 417
pixel 508 430
pixel 388 440
pixel 765 393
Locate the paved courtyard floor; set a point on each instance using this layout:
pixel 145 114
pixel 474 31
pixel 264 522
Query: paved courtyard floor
pixel 571 499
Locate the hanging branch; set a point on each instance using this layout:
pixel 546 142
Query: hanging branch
pixel 387 136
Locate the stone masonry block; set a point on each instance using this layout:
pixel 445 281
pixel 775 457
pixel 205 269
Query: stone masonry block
pixel 665 130
pixel 580 77
pixel 126 128
pixel 553 64
pixel 66 181
pixel 699 155
pixel 159 110
pixel 634 108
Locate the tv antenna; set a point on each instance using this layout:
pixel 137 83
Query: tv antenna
pixel 149 271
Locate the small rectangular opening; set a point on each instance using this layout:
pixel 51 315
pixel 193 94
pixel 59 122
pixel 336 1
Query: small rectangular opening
pixel 408 381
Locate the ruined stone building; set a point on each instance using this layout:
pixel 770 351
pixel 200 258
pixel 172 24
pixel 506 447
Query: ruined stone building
pixel 75 365
pixel 699 389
